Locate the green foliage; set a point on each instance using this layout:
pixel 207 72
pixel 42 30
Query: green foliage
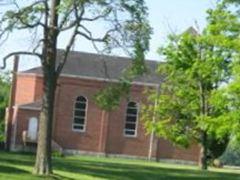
pixel 190 60
pixel 226 99
pixel 57 154
pixel 196 66
pixel 232 154
pixel 4 94
pixel 217 146
pixel 110 97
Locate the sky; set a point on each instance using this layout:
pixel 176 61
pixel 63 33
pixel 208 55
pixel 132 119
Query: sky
pixel 165 16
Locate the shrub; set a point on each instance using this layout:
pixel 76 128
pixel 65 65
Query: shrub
pixel 232 154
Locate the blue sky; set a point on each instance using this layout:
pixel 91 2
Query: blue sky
pixel 165 16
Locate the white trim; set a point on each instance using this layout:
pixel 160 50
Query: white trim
pixel 82 152
pixel 85 118
pixel 29 108
pixel 151 138
pixel 92 78
pixel 14 127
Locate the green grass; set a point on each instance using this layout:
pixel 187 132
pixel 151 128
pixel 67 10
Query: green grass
pixel 19 166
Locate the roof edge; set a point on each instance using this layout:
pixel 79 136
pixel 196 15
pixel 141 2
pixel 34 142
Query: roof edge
pixel 92 78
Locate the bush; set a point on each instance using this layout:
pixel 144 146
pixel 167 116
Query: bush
pixel 4 95
pixel 57 154
pixel 232 154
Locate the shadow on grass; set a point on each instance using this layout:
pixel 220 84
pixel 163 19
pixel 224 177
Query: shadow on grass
pixel 110 170
pixel 10 170
pixel 25 160
pixel 57 177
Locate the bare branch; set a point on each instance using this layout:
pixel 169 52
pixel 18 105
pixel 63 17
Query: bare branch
pixel 5 38
pixel 18 53
pixel 30 26
pixel 72 39
pixel 98 17
pixel 38 45
pixel 68 48
pixel 72 24
pixel 90 37
pixel 65 19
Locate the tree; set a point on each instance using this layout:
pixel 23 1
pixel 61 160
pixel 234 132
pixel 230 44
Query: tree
pixel 226 99
pixel 124 22
pixel 196 65
pixel 4 94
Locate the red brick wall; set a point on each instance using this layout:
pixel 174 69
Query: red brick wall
pixel 38 88
pixel 168 151
pixel 68 91
pixel 117 141
pixel 29 88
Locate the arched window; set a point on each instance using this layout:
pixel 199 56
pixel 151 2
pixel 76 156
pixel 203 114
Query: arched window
pixel 131 119
pixel 79 121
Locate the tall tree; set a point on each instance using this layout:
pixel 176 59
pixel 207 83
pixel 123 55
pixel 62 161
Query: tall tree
pixel 226 23
pixel 124 22
pixel 196 65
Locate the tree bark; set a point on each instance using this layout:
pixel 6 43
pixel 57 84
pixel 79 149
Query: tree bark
pixel 43 164
pixel 203 152
pixel 203 135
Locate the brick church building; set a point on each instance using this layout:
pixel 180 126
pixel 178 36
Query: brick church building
pixel 79 125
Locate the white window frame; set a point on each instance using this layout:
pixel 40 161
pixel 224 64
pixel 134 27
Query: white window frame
pixel 136 123
pixel 85 118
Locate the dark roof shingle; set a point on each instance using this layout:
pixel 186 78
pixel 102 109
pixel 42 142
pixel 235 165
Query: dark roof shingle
pixel 102 66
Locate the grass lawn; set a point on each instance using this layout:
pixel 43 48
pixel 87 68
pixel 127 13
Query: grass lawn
pixel 19 166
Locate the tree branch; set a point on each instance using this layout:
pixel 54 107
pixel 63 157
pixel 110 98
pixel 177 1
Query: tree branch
pixel 64 20
pixel 72 39
pixel 18 53
pixel 62 63
pixel 98 17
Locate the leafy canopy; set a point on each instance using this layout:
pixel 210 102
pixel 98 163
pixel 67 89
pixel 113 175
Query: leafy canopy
pixel 196 65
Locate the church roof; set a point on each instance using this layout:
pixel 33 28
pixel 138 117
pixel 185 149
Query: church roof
pixel 32 105
pixel 95 66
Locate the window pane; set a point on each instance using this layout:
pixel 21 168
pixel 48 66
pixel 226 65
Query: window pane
pixel 131 111
pixel 132 104
pixel 77 127
pixel 79 121
pixel 81 98
pixel 80 105
pixel 127 132
pixel 80 113
pixel 130 126
pixel 131 118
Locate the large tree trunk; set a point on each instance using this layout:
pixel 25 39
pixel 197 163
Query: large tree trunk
pixel 43 159
pixel 203 152
pixel 43 164
pixel 203 134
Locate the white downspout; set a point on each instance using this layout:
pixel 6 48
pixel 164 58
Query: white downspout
pixel 151 141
